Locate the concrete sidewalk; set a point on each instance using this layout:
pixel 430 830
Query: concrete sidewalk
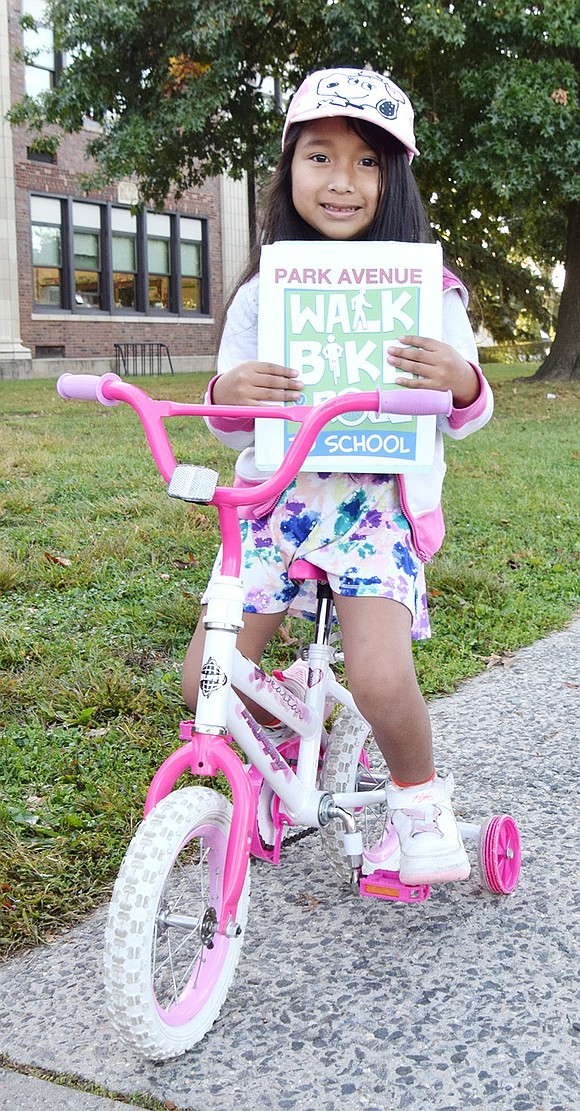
pixel 19 1092
pixel 466 1001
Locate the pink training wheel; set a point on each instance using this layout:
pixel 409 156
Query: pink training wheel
pixel 499 854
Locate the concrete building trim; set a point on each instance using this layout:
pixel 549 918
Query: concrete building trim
pixel 11 347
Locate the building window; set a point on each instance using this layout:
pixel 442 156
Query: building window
pixel 124 257
pixel 87 255
pixel 46 217
pixel 96 257
pixel 190 257
pixel 41 156
pixel 159 260
pixel 44 63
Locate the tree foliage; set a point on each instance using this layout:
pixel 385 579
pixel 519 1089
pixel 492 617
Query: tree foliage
pixel 176 87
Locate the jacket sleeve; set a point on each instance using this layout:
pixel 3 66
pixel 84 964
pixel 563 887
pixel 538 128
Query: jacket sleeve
pixel 457 332
pixel 239 344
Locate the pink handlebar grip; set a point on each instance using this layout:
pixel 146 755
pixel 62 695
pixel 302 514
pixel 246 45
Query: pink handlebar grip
pixel 85 387
pixel 415 403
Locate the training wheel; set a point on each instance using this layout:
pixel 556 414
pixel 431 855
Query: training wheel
pixel 499 854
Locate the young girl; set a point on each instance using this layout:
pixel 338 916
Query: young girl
pixel 345 175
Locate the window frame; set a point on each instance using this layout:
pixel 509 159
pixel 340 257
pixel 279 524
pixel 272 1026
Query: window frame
pixel 57 58
pixel 113 233
pixel 44 306
pixel 156 236
pixel 203 257
pixel 87 229
pixel 107 233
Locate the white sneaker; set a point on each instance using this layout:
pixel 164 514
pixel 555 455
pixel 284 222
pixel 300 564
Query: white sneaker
pixel 279 733
pixel 295 679
pixel 431 847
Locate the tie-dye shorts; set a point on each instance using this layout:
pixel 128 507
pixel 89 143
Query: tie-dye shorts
pixel 352 527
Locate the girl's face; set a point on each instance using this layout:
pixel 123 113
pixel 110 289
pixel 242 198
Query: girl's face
pixel 335 179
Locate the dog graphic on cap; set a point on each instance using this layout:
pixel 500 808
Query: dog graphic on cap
pixel 360 90
pixel 359 93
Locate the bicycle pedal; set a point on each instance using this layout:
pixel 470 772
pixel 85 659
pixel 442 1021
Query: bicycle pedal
pixel 191 483
pixel 387 885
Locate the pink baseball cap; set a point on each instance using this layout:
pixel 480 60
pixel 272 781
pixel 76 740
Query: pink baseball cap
pixel 361 94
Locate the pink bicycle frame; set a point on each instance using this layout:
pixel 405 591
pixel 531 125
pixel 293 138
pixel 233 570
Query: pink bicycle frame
pixel 204 752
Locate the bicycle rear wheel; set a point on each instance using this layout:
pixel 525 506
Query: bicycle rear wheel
pixel 167 970
pixel 352 762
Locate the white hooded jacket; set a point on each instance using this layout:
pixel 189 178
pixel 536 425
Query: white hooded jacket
pixel 420 494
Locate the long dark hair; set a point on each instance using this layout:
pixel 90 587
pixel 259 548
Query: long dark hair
pixel 400 214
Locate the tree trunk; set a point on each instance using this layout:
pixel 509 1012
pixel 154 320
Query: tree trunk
pixel 252 218
pixel 563 362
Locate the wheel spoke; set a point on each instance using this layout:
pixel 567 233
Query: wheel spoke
pixel 173 939
pixel 185 974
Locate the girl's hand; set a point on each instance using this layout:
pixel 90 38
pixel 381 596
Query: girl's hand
pixel 439 367
pixel 254 383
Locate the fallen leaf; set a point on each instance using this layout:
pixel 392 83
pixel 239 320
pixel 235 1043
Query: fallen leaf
pixel 307 901
pixel 506 660
pixel 62 561
pixel 186 564
pixel 286 635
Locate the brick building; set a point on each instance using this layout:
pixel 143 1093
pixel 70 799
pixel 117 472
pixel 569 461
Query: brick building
pixel 81 272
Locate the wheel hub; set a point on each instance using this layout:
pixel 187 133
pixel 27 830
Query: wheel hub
pixel 208 927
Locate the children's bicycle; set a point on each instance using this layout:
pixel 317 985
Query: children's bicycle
pixel 180 903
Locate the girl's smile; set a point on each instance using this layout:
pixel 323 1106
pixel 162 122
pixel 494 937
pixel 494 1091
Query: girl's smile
pixel 335 179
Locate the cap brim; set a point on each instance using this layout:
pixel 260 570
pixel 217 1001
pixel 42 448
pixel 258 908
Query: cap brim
pixel 330 112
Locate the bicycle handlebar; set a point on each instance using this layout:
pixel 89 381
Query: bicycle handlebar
pixel 109 389
pixel 84 387
pixel 93 387
pixel 415 403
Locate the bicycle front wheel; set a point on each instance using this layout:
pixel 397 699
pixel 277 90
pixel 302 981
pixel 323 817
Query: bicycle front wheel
pixel 352 762
pixel 167 970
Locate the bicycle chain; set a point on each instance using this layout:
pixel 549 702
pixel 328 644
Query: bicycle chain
pixel 292 839
pixel 300 836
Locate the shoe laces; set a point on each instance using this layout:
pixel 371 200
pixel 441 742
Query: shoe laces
pixel 424 820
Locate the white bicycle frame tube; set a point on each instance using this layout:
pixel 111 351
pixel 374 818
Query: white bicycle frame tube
pixel 219 709
pixel 274 697
pixel 223 621
pixel 301 803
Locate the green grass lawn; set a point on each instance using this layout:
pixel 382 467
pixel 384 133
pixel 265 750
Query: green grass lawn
pixel 100 579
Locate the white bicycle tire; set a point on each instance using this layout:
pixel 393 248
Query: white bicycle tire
pixel 136 926
pixel 340 773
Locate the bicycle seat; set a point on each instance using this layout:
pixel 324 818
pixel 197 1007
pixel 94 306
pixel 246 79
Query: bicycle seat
pixel 302 569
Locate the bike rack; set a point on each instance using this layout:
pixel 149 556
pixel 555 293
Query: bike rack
pixel 141 358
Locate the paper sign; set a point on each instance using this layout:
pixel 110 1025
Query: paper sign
pixel 331 310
